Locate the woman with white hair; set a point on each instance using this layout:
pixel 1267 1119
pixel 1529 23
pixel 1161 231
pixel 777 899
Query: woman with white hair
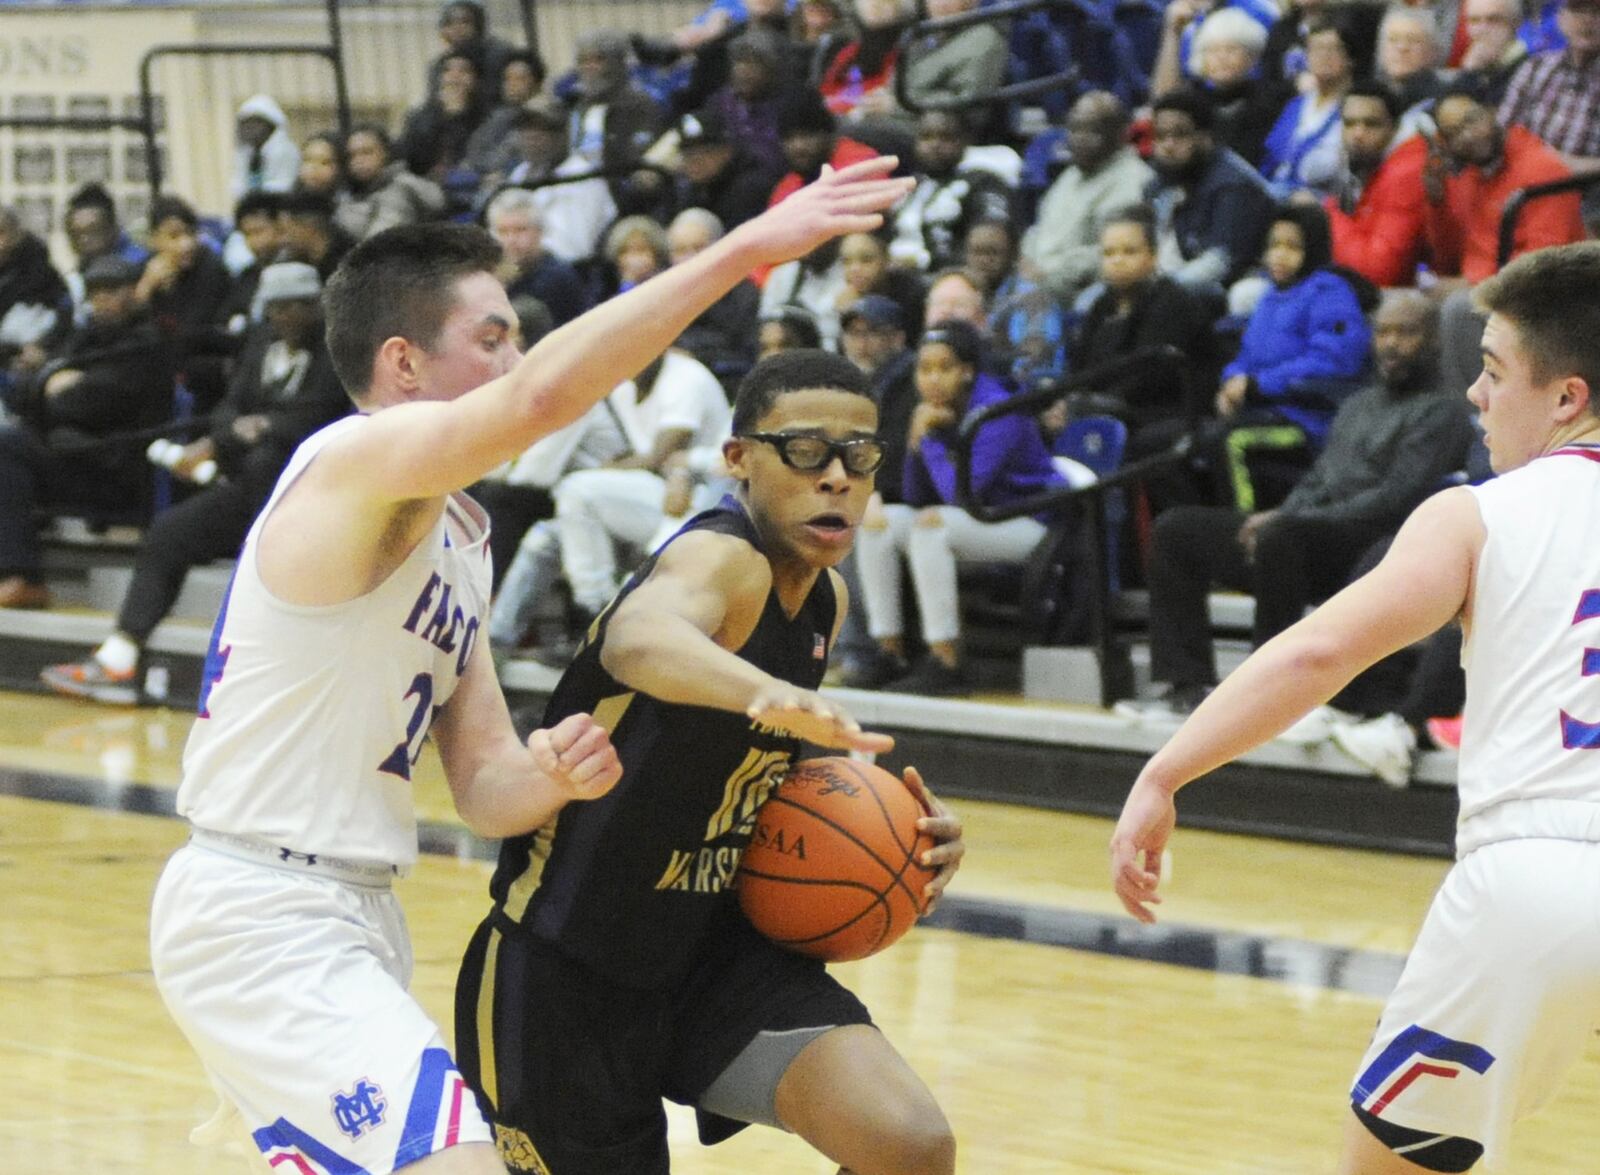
pixel 1226 59
pixel 1176 60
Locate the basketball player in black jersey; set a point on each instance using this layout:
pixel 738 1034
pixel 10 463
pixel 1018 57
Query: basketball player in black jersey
pixel 616 968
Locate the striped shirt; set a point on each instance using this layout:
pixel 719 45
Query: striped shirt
pixel 1557 97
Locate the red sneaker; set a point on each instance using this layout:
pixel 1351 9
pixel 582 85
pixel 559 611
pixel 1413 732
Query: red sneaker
pixel 92 680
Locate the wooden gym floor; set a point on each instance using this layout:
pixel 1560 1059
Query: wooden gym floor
pixel 1222 1044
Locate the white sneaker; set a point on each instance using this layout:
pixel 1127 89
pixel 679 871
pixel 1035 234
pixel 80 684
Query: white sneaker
pixel 1316 727
pixel 1384 745
pixel 1170 707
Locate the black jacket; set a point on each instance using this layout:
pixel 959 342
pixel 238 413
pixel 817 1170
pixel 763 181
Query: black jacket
pixel 1163 313
pixel 1386 452
pixel 296 406
pixel 28 279
pixel 127 380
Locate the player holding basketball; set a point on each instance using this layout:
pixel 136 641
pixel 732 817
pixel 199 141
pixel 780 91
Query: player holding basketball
pixel 1503 986
pixel 616 967
pixel 348 632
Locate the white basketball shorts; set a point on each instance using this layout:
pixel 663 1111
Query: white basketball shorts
pixel 291 987
pixel 1499 997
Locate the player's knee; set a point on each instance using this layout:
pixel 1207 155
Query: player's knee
pixel 931 518
pixel 917 1142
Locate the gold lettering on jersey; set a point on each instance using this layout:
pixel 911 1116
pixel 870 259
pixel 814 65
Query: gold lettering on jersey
pixel 518 1151
pixel 746 790
pixel 677 874
pixel 706 870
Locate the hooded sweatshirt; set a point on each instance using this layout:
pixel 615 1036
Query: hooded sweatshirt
pixel 275 165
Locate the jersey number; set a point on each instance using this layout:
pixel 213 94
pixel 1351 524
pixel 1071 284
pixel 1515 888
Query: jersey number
pixel 403 756
pixel 1575 735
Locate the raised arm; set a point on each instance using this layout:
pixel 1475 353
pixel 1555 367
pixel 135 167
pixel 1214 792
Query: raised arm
pixel 1422 584
pixel 425 450
pixel 675 637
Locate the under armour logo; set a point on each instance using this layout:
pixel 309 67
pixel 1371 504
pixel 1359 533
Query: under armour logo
pixel 291 855
pixel 359 1111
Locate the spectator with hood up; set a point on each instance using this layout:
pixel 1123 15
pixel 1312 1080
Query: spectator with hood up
pixel 266 159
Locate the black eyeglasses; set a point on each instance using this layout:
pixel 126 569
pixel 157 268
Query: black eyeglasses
pixel 809 453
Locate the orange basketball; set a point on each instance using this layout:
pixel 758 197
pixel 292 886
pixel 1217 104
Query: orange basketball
pixel 832 869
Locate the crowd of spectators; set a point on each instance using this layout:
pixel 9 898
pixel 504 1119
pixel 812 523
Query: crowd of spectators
pixel 1298 201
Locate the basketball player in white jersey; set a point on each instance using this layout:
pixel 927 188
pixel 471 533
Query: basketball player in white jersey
pixel 347 635
pixel 1502 989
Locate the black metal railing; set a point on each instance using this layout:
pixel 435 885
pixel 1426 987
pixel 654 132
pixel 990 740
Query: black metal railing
pixel 1115 670
pixel 1000 14
pixel 1522 197
pixel 331 53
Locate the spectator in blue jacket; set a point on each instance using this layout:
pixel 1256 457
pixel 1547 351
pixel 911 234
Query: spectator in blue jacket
pixel 933 533
pixel 1305 348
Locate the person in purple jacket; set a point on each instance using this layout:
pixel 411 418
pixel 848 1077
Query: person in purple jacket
pixel 932 533
pixel 1305 349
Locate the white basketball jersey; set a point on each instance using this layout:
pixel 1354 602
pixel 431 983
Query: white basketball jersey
pixel 1530 747
pixel 310 718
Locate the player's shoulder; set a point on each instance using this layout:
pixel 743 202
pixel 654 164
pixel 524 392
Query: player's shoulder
pixel 730 561
pixel 331 439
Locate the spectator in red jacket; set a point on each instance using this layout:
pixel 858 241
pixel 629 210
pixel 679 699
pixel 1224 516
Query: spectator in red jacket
pixel 1467 180
pixel 1471 176
pixel 1377 216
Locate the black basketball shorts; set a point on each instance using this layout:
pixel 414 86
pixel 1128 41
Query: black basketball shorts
pixel 571 1067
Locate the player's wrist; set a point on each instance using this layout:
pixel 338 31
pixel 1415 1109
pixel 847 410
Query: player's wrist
pixel 1154 778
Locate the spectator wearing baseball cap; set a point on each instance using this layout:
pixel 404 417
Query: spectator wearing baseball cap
pixel 873 336
pixel 716 173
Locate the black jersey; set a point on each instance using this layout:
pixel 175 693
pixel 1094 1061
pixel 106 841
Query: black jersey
pixel 631 883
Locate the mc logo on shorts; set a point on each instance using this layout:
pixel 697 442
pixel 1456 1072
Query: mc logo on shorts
pixel 1414 1054
pixel 360 1110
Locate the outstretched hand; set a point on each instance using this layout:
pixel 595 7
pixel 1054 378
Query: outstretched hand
pixel 814 718
pixel 1141 836
pixel 577 756
pixel 835 204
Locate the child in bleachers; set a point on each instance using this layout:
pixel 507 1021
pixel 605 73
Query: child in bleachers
pixel 322 165
pixel 1306 347
pixel 1142 308
pixel 865 257
pixel 932 533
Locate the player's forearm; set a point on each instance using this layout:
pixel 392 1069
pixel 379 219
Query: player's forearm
pixel 572 368
pixel 670 659
pixel 1283 680
pixel 508 795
